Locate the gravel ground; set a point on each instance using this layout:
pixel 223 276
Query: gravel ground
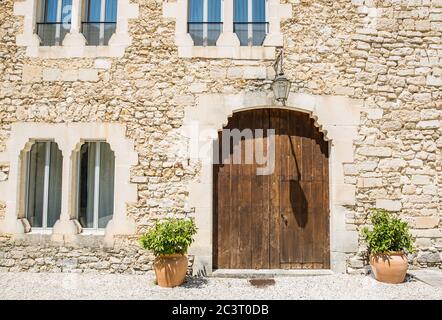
pixel 110 286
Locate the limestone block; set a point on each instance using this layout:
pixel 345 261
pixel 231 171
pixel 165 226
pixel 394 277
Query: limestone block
pixel 198 87
pixel 31 73
pixel 69 75
pixel 255 72
pixel 392 164
pixel 423 243
pixel 419 179
pixel 90 75
pixel 370 182
pixel 436 26
pixel 428 257
pixel 375 151
pixel 390 205
pixel 51 74
pixel 428 124
pixel 374 114
pixel 426 222
pixel 102 64
pixel 434 81
pixel 235 72
pixel 351 169
pixel 423 25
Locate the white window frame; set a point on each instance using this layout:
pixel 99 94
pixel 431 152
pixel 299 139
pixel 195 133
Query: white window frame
pixel 228 44
pixel 45 185
pixel 74 43
pixel 95 227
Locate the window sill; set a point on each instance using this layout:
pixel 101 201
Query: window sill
pixel 40 231
pixel 92 232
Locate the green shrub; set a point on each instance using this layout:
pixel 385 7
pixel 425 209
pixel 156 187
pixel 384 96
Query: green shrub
pixel 389 234
pixel 171 236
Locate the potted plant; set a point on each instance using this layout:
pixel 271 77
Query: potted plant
pixel 387 243
pixel 169 241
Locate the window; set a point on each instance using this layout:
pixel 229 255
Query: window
pixel 204 21
pixel 99 21
pixel 54 21
pixel 250 23
pixel 43 184
pixel 95 184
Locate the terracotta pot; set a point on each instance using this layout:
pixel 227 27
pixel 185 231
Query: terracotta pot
pixel 170 270
pixel 389 268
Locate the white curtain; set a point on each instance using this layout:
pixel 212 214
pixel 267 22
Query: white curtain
pixel 35 188
pixel 35 184
pixel 87 186
pixel 55 179
pixel 107 172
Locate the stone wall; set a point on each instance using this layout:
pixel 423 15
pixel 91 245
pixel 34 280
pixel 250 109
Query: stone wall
pixel 37 253
pixel 388 53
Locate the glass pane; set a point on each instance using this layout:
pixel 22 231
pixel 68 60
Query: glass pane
pixel 111 11
pixel 241 11
pixel 259 19
pixel 196 10
pixel 66 11
pixel 86 185
pixel 214 11
pixel 35 184
pixel 51 11
pixel 109 30
pixel 196 32
pixel 259 33
pixel 259 10
pixel 55 177
pixel 213 33
pixel 94 11
pixel 241 18
pixel 107 170
pixel 242 31
pixel 91 32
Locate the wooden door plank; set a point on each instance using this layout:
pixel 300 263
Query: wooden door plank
pixel 274 195
pixel 317 199
pixel 284 189
pixel 245 196
pixel 307 167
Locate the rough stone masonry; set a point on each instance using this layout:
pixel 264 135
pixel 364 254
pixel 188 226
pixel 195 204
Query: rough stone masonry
pixel 386 52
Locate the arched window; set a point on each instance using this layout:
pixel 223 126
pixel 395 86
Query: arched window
pixel 54 21
pixel 250 21
pixel 204 21
pixel 99 21
pixel 95 196
pixel 43 184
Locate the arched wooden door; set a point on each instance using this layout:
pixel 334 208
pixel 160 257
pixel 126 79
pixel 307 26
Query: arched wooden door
pixel 280 220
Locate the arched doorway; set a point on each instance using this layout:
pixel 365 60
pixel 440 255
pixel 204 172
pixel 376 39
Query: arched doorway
pixel 278 220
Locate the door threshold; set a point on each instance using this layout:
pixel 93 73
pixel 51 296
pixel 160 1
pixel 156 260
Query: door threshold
pixel 265 273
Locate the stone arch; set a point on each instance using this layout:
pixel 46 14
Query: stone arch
pixel 211 114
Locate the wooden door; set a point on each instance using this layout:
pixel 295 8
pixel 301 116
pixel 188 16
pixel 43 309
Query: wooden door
pixel 279 220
